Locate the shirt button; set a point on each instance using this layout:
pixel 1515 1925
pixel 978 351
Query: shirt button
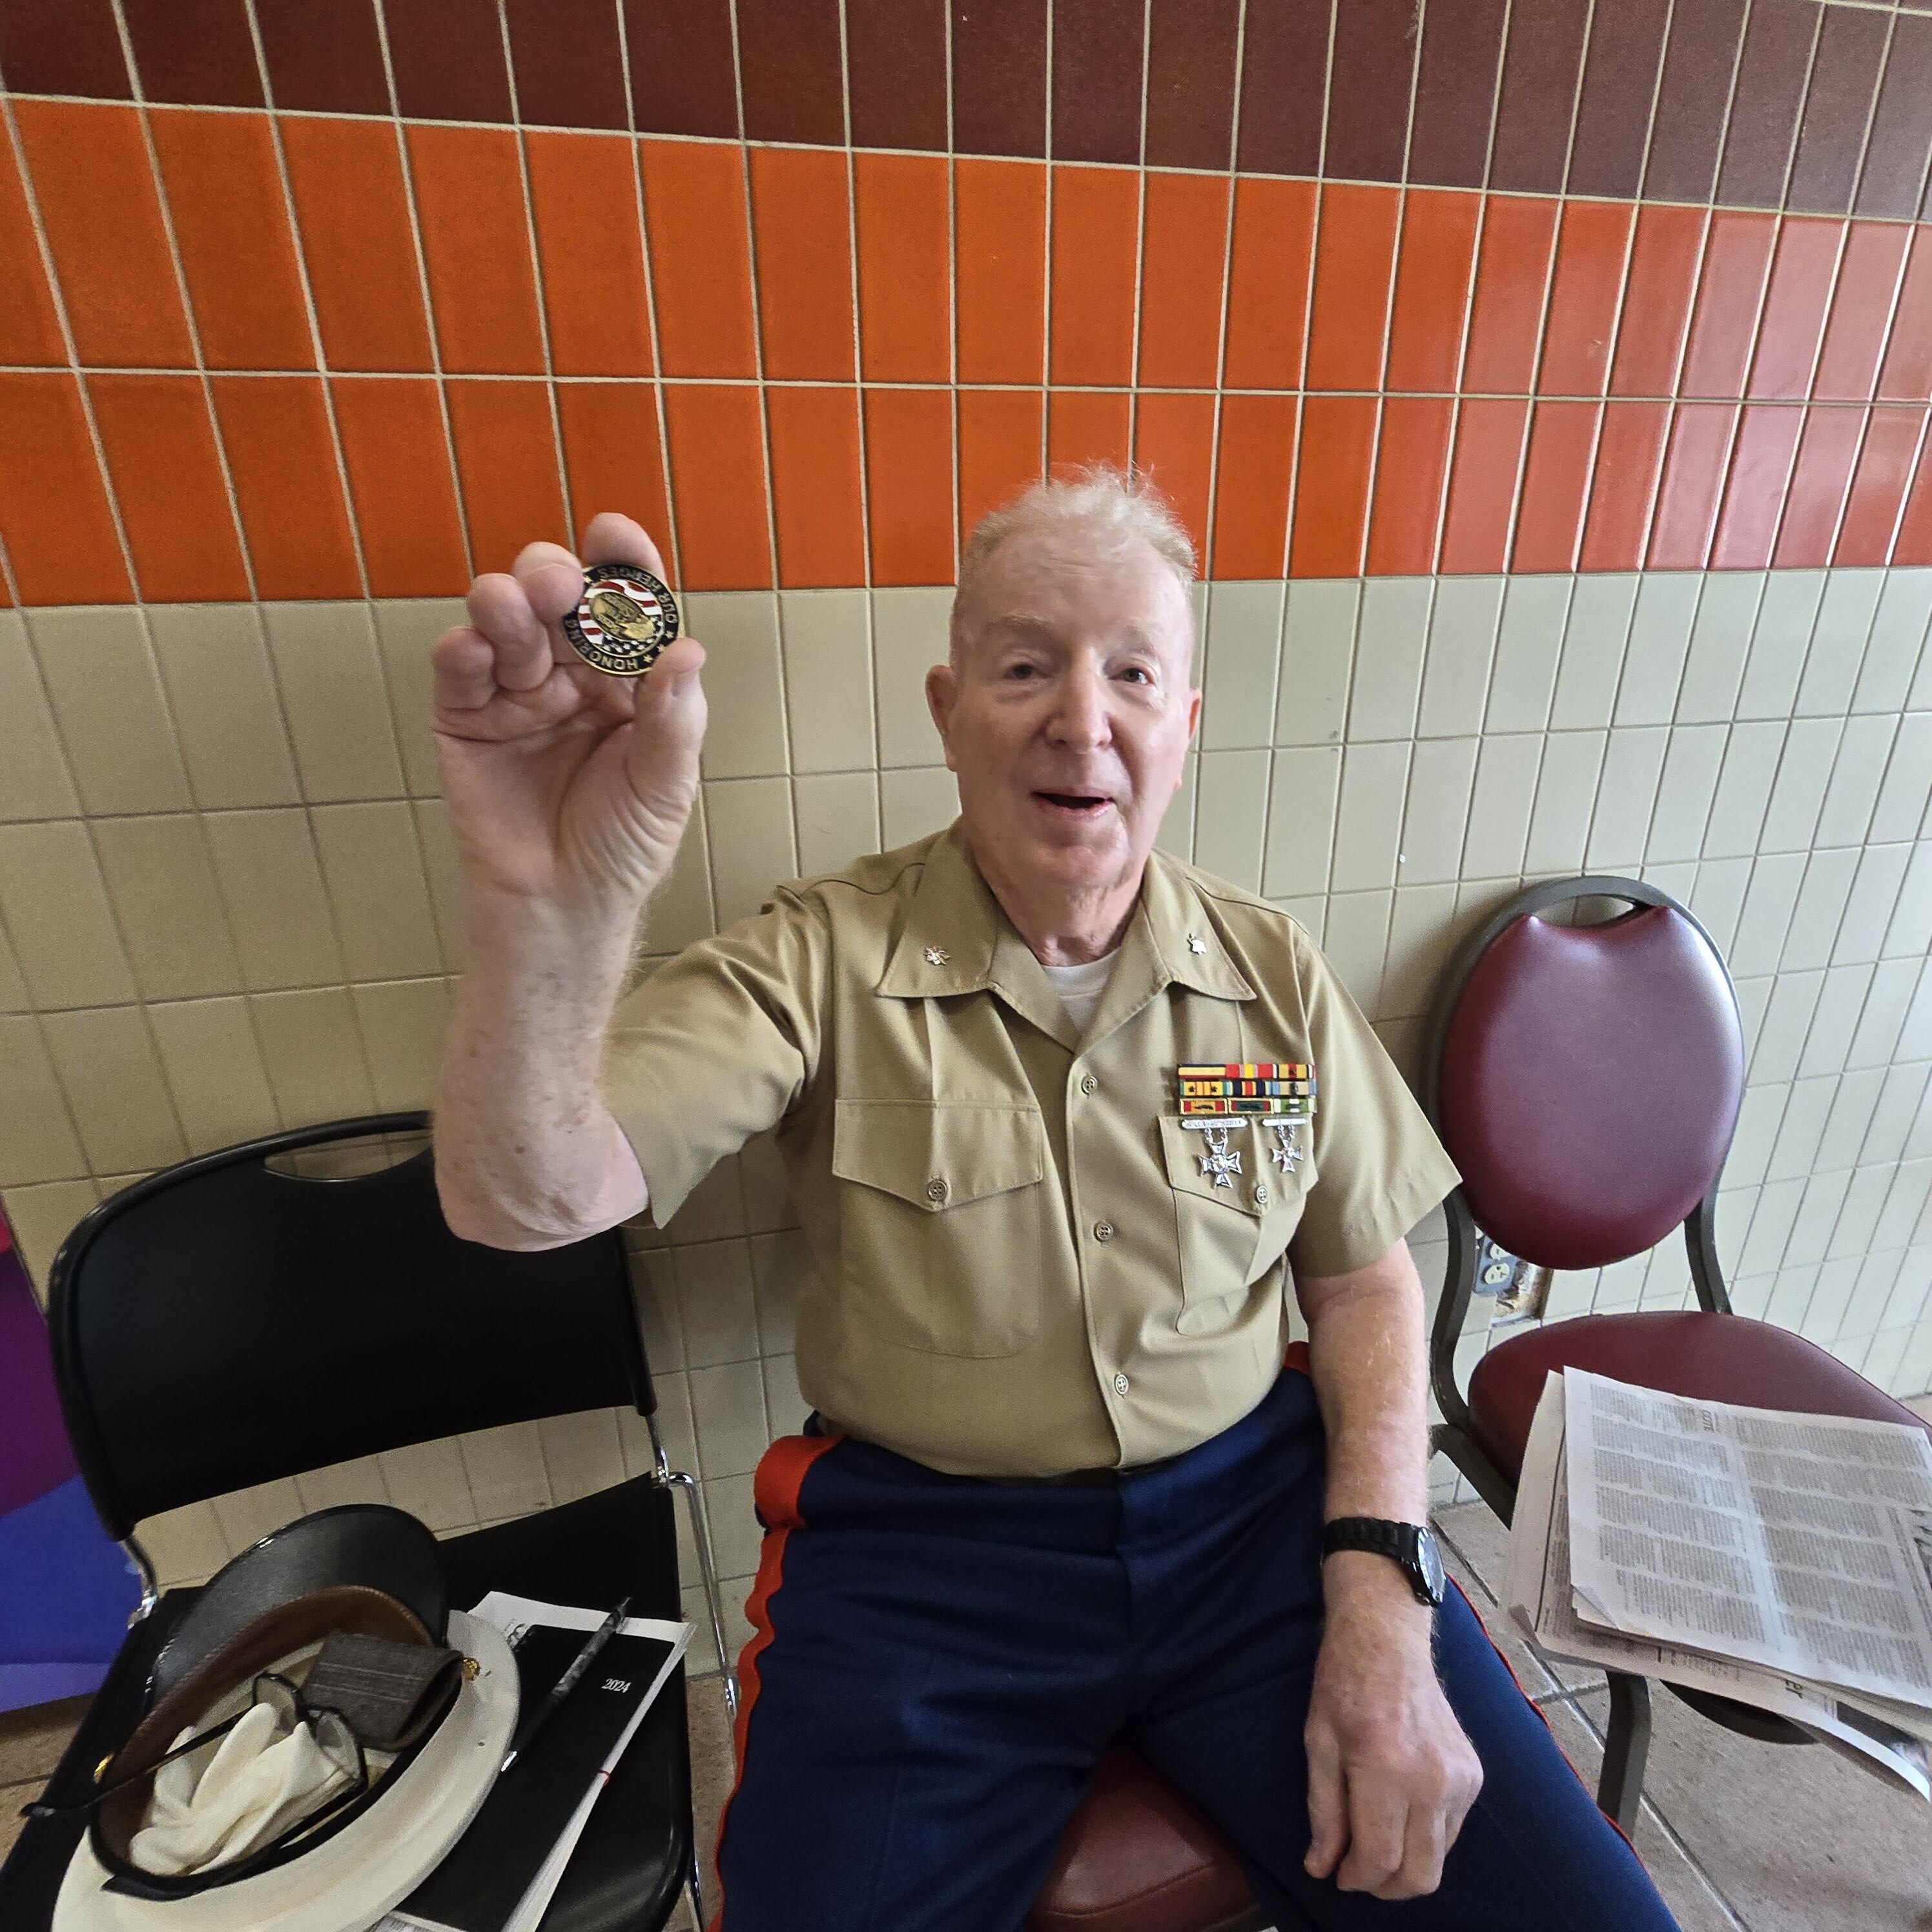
pixel 1261 1194
pixel 935 1190
pixel 1088 1085
pixel 1121 1385
pixel 1103 1231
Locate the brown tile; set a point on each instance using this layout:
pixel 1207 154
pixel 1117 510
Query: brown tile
pixel 1284 86
pixel 70 49
pixel 1098 48
pixel 1844 77
pixel 692 40
pixel 1901 131
pixel 1190 86
pixel 1540 68
pixel 1456 92
pixel 328 60
pixel 564 53
pixel 1369 81
pixel 895 73
pixel 1689 130
pixel 1619 85
pixel 31 1741
pixel 197 51
pixel 788 66
pixel 1764 109
pixel 999 77
pixel 448 56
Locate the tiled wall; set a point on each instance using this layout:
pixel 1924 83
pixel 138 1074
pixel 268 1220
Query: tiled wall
pixel 1573 362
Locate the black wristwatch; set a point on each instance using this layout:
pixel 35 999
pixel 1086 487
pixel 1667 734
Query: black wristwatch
pixel 1411 1548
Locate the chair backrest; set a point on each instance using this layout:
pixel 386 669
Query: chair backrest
pixel 236 1318
pixel 1585 1079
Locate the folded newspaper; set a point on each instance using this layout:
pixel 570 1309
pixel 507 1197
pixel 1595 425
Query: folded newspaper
pixel 1782 1560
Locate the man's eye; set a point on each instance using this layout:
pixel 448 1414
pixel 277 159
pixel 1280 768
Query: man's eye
pixel 1139 671
pixel 1020 670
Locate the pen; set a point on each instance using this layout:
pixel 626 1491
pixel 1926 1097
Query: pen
pixel 533 1727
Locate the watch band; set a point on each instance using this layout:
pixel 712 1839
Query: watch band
pixel 1409 1546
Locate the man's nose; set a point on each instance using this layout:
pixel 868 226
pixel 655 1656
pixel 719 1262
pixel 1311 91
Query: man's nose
pixel 1080 717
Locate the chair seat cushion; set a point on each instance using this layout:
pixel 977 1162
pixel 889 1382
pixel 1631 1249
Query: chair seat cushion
pixel 1138 1857
pixel 1719 1357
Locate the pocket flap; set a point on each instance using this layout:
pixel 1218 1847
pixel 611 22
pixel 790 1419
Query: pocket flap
pixel 938 1155
pixel 1253 1188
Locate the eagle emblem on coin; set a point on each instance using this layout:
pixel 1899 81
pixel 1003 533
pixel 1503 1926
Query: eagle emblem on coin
pixel 623 621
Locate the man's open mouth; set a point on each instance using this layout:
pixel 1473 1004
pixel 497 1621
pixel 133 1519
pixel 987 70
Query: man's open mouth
pixel 1074 804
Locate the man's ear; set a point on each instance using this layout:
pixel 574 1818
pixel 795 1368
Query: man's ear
pixel 1193 714
pixel 942 688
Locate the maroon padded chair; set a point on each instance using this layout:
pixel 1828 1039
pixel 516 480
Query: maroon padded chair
pixel 1586 1080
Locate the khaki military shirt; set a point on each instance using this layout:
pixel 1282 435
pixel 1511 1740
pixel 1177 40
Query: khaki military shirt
pixel 1020 1267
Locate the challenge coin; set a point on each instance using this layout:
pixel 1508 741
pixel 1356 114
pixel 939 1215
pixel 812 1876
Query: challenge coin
pixel 623 621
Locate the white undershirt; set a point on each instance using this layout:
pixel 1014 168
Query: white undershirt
pixel 1080 987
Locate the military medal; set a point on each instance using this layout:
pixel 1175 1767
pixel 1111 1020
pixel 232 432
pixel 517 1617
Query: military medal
pixel 1218 1160
pixel 1284 1153
pixel 1277 1094
pixel 623 621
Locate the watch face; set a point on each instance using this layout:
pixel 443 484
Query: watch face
pixel 1431 1562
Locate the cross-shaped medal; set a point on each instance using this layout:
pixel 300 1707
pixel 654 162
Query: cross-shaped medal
pixel 1286 1155
pixel 1218 1160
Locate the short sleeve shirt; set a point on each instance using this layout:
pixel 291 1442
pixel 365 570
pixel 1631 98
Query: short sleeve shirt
pixel 1021 1265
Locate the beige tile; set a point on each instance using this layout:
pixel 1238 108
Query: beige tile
pixel 247 1516
pixel 38 1142
pixel 428 1479
pixel 1781 1040
pixel 1302 802
pixel 1499 811
pixel 1851 1112
pixel 333 694
pixel 785 1406
pixel 735 1534
pixel 443 868
pixel 186 1545
pixel 405 628
pixel 313 1050
pixel 33 779
pixel 1760 1118
pixel 837 819
pixel 214 1066
pixel 1744 781
pixel 1318 650
pixel 1523 678
pixel 265 864
pixel 680 910
pixel 115 1087
pixel 1368 825
pixel 100 674
pixel 1243 657
pixel 1863 753
pixel 1660 639
pixel 1914 1041
pixel 716 1302
pixel 1684 792
pixel 1462 642
pixel 56 909
pixel 1780 640
pixel 214 666
pixel 505 1469
pixel 1441 777
pixel 32 1741
pixel 1231 821
pixel 908 638
pixel 1845 616
pixel 743 685
pixel 912 803
pixel 828 679
pixel 1719 642
pixel 751 848
pixel 403 1022
pixel 1819 906
pixel 1626 794
pixel 1355 942
pixel 1811 1232
pixel 1176 836
pixel 1390 639
pixel 1797 794
pixel 1477 1554
pixel 1887 1003
pixel 162 887
pixel 41 1217
pixel 582 1453
pixel 728 1407
pixel 1807 1105
pixel 1717 898
pixel 1909 933
pixel 1771 1225
pixel 373 870
pixel 1591 662
pixel 1420 930
pixel 1907 784
pixel 1566 795
pixel 13 983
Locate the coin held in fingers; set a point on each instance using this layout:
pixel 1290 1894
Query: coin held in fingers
pixel 623 621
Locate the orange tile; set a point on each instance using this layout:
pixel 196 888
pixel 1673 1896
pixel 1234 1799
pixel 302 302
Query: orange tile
pixel 1724 320
pixel 905 268
pixel 1267 282
pixel 1914 543
pixel 1793 322
pixel 1658 295
pixel 123 302
pixel 1085 426
pixel 1754 494
pixel 506 468
pixel 1512 272
pixel 1184 254
pixel 1331 486
pixel 1593 243
pixel 1819 484
pixel 584 198
pixel 29 330
pixel 166 476
pixel 1355 252
pixel 1252 482
pixel 700 257
pixel 1432 292
pixel 54 516
pixel 282 457
pixel 482 286
pixel 909 485
pixel 1860 311
pixel 353 213
pixel 801 227
pixel 1411 465
pixel 1097 213
pixel 1483 484
pixel 717 486
pixel 400 486
pixel 1000 265
pixel 1000 438
pixel 1173 442
pixel 1906 375
pixel 1556 485
pixel 1694 468
pixel 816 489
pixel 224 193
pixel 613 455
pixel 1892 439
pixel 1623 488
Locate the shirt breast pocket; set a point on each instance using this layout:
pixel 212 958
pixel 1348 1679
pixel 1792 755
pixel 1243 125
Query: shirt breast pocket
pixel 1230 1236
pixel 942 1221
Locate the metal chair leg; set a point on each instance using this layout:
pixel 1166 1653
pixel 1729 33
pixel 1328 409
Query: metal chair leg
pixel 701 1535
pixel 694 1883
pixel 1626 1751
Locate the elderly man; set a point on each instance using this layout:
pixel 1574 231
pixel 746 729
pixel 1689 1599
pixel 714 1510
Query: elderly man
pixel 1059 1487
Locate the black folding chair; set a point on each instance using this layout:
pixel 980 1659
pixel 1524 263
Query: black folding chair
pixel 263 1311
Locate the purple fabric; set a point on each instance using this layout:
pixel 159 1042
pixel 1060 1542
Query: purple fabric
pixel 35 1456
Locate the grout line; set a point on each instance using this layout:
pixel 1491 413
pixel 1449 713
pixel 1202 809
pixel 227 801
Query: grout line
pixel 953 302
pixel 1140 264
